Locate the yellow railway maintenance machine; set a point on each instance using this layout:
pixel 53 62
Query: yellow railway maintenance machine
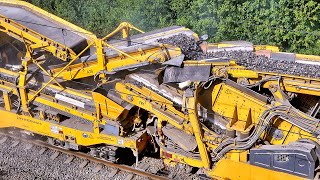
pixel 107 96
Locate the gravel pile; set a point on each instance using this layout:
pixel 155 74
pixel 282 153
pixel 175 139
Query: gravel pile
pixel 244 58
pixel 264 64
pixel 180 171
pixel 187 45
pixel 19 163
pixel 154 164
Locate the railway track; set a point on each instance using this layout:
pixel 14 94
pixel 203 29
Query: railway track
pixel 128 172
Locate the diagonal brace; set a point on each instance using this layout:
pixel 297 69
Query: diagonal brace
pixel 35 62
pixel 56 75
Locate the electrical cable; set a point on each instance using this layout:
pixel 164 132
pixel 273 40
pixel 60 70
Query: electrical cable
pixel 18 94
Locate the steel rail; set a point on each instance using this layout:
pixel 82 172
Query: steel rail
pixel 87 157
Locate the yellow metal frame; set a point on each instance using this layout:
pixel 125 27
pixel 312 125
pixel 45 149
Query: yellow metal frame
pixel 81 70
pixel 44 128
pixel 124 28
pixel 229 169
pixel 139 97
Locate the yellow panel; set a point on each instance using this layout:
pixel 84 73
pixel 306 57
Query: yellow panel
pixel 181 159
pixel 109 108
pixel 228 169
pixel 46 128
pixel 239 73
pixel 228 98
pixel 223 45
pixel 307 57
pixel 266 47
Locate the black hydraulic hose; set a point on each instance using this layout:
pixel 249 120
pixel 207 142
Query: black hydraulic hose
pixel 18 94
pixel 231 140
pixel 280 111
pixel 242 145
pixel 246 143
pixel 262 81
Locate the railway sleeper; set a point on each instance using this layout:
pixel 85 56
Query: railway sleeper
pixel 113 154
pixel 105 152
pixel 63 144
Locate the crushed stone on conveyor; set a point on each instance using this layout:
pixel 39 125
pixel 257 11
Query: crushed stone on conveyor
pixel 187 45
pixel 248 59
pixel 264 64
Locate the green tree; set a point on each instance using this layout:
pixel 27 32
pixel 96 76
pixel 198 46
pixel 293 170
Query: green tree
pixel 293 25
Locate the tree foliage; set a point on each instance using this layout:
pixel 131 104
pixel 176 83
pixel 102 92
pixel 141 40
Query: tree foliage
pixel 293 25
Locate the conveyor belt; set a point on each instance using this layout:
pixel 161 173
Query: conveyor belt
pixel 245 58
pixel 151 37
pixel 45 26
pixel 142 41
pixel 146 40
pixel 264 64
